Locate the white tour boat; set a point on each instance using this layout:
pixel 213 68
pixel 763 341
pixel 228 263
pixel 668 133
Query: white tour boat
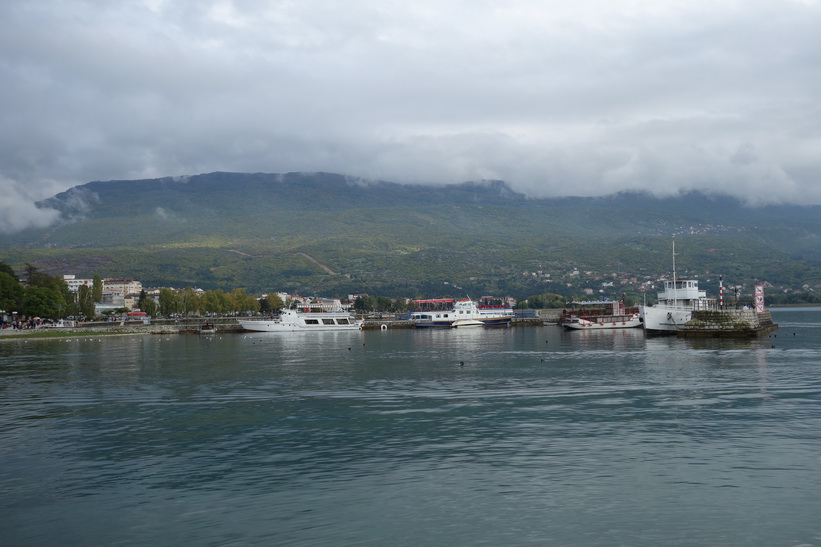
pixel 293 320
pixel 676 304
pixel 461 310
pixel 600 315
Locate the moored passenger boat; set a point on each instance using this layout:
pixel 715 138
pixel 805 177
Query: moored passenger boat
pixel 675 307
pixel 446 312
pixel 293 320
pixel 676 304
pixel 600 315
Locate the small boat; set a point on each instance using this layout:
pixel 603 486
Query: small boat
pixel 208 328
pixel 676 304
pixel 590 315
pixel 294 320
pixel 465 309
pixel 465 323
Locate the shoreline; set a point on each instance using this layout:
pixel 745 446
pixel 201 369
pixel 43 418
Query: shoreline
pixel 70 332
pixel 48 333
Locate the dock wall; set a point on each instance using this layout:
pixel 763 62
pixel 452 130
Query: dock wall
pixel 728 323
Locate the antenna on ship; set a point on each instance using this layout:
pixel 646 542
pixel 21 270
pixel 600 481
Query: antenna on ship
pixel 674 258
pixel 675 281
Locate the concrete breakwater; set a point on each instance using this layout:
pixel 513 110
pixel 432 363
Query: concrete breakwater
pixel 728 323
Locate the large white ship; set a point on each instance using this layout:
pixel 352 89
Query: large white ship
pixel 294 320
pixel 675 304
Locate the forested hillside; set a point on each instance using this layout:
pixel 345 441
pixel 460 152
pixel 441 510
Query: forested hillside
pixel 321 233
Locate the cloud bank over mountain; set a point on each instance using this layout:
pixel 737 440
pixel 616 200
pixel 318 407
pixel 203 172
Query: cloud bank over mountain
pixel 555 98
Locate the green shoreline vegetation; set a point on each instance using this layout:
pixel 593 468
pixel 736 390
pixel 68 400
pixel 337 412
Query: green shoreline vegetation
pixel 48 298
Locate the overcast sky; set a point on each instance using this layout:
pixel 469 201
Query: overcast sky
pixel 555 97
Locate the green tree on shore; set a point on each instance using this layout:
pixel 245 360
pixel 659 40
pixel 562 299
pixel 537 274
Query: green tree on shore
pixel 190 302
pixel 364 303
pixel 169 301
pixel 97 289
pixel 11 292
pixel 45 295
pixel 240 301
pixel 271 303
pixel 215 301
pixel 149 306
pixel 43 302
pixel 85 301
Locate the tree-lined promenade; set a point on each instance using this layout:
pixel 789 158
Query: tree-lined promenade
pixel 48 297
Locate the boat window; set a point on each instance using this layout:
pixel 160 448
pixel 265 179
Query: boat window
pixel 312 321
pixel 343 321
pixel 328 321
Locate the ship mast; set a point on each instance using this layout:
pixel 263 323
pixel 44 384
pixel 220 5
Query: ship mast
pixel 675 282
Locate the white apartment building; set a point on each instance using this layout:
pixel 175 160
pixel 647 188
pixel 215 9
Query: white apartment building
pixel 75 283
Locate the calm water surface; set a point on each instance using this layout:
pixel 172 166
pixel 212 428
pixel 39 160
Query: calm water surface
pixel 385 438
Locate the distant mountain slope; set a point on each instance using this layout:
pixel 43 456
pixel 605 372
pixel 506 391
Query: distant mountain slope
pixel 289 231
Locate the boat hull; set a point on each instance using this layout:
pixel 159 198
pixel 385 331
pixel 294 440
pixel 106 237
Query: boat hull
pixel 467 323
pixel 662 319
pixel 451 323
pixel 266 326
pixel 603 323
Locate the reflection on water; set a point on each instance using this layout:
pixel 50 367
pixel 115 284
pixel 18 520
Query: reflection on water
pixel 619 339
pixel 442 437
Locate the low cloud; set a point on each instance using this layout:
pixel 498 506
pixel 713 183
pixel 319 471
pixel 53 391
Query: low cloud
pixel 584 98
pixel 18 211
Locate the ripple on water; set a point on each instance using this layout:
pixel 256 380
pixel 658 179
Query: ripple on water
pixel 540 437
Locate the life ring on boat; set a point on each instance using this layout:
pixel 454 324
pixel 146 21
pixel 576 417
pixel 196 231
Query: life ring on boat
pixel 383 327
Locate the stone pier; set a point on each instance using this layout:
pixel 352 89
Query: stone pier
pixel 728 324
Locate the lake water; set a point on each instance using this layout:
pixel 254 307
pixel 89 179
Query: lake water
pixel 476 437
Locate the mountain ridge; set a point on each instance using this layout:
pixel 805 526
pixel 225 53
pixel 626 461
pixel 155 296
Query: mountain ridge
pixel 253 230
